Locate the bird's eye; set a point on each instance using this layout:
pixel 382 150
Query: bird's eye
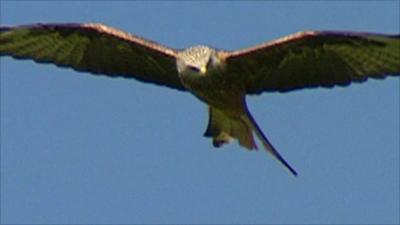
pixel 194 68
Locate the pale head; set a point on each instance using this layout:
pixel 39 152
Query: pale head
pixel 197 59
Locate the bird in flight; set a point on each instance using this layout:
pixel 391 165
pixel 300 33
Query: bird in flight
pixel 220 78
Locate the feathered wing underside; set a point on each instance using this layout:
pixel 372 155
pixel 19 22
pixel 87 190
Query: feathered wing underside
pixel 93 48
pixel 315 59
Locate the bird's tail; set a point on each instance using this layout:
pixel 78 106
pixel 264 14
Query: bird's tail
pixel 223 127
pixel 264 140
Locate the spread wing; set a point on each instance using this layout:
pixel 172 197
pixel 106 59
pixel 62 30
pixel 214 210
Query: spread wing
pixel 315 59
pixel 93 48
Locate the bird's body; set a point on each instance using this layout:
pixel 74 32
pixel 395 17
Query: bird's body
pixel 221 79
pixel 202 71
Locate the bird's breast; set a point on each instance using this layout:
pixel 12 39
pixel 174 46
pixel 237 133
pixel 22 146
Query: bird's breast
pixel 214 88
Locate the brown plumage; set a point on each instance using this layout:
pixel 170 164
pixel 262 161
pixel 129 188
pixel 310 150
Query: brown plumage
pixel 220 78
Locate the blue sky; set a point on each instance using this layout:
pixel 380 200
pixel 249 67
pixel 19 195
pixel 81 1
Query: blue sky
pixel 77 148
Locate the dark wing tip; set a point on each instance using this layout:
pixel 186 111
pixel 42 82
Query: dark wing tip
pixel 4 28
pixel 39 25
pixel 355 33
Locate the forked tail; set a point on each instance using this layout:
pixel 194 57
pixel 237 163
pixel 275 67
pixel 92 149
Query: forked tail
pixel 222 128
pixel 267 144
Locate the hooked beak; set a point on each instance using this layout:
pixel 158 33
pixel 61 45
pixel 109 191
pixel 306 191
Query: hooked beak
pixel 203 70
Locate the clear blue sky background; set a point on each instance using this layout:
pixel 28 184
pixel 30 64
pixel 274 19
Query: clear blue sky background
pixel 77 148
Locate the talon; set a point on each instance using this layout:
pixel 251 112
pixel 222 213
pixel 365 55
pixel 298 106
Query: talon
pixel 219 143
pixel 221 139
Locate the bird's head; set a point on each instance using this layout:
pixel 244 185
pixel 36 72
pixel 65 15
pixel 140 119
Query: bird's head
pixel 198 60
